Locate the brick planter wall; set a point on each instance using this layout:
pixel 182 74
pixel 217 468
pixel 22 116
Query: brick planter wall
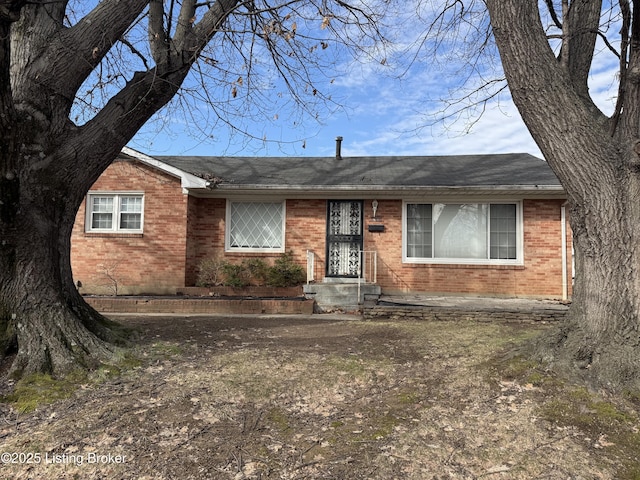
pixel 278 292
pixel 200 305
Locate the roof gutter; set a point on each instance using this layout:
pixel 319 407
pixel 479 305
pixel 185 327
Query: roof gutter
pixel 368 188
pixel 353 191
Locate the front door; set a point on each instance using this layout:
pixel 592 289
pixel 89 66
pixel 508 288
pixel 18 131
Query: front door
pixel 344 237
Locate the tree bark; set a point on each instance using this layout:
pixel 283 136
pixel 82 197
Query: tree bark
pixel 47 164
pixel 43 319
pixel 600 343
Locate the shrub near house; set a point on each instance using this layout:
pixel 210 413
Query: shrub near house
pixel 255 271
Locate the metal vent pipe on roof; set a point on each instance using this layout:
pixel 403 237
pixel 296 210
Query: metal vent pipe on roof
pixel 339 148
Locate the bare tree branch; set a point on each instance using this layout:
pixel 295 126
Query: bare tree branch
pixel 552 11
pixel 582 22
pixel 625 8
pixel 158 37
pixel 99 30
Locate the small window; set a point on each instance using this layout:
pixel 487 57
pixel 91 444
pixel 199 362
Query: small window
pixel 462 233
pixel 114 212
pixel 255 226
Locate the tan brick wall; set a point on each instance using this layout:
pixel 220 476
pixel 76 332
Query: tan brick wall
pixel 153 262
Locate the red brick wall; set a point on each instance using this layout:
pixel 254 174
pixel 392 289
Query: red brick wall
pixel 206 233
pixel 153 262
pixel 540 276
pixel 305 230
pixel 181 231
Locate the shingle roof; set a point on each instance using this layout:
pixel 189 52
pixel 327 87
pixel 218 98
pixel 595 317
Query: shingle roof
pixel 499 170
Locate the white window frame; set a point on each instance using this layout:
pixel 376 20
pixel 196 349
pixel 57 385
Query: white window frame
pixel 519 260
pixel 227 233
pixel 115 224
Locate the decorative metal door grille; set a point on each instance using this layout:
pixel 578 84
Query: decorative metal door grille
pixel 344 238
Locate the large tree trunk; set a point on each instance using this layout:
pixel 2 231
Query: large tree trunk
pixel 600 342
pixel 595 159
pixel 47 164
pixel 43 319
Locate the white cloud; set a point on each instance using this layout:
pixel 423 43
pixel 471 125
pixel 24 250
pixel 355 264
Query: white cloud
pixel 383 115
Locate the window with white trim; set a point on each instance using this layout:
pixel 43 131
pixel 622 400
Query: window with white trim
pixel 115 212
pixel 462 233
pixel 255 226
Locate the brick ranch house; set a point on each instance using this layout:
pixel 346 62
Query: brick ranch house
pixel 486 225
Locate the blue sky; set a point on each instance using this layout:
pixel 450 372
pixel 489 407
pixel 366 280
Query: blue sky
pixel 379 114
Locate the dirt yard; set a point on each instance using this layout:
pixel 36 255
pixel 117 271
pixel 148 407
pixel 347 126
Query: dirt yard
pixel 323 398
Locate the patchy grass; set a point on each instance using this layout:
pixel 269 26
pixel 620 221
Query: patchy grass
pixel 36 390
pixel 163 350
pixel 610 425
pixel 352 367
pixel 522 370
pixel 288 399
pixel 279 419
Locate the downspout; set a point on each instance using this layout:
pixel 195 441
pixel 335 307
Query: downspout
pixel 563 228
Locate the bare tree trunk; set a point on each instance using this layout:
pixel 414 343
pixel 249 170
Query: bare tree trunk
pixel 48 163
pixel 600 343
pixel 42 316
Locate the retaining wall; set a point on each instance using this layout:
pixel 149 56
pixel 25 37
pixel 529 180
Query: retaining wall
pixel 200 305
pixel 477 315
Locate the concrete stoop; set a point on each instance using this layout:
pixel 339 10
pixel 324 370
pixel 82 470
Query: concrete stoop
pixel 347 297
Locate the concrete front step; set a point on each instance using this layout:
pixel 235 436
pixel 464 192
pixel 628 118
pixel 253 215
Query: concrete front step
pixel 343 296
